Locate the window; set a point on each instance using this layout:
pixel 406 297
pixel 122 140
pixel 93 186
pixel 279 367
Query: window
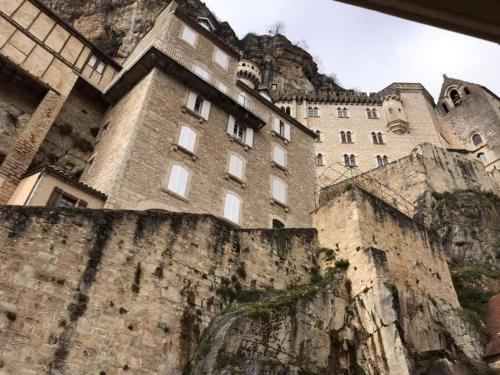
pixel 382 161
pixel 346 137
pixel 100 67
pixel 279 156
pixel 374 113
pixel 198 105
pixel 187 139
pixel 385 160
pixel 339 112
pixel 466 91
pixel 342 113
pixel 2 157
pixel 237 167
pixel 455 97
pixel 374 137
pixel 232 207
pixel 92 61
pixel 240 132
pixel 274 87
pixel 349 161
pixel 242 99
pixel 282 129
pixel 188 35
pixel 96 63
pixel 380 138
pixel 279 191
pixel 349 137
pixel 319 160
pixel 61 199
pixel 318 136
pixel 445 107
pixel 287 111
pixel 178 181
pixel 369 112
pixel 481 157
pixel 477 140
pixel 221 58
pixel 316 112
pixel 310 112
pixel 202 73
pixel 277 224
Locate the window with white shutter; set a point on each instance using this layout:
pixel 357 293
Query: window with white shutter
pixel 240 132
pixel 199 105
pixel 178 180
pixel 237 167
pixel 282 129
pixel 279 191
pixel 202 73
pixel 188 35
pixel 187 139
pixel 221 58
pixel 232 208
pixel 279 156
pixel 242 99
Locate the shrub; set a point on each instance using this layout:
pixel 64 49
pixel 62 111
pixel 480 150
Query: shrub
pixel 342 264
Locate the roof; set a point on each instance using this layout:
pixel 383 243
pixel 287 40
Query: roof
pixel 54 171
pixel 447 81
pixel 493 327
pixel 397 86
pixel 341 97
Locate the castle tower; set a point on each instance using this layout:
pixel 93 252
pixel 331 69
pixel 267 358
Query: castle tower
pixel 397 122
pixel 249 73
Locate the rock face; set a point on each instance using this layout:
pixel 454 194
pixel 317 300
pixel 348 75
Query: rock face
pixel 117 25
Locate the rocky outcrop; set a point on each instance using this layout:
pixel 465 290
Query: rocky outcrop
pixel 117 25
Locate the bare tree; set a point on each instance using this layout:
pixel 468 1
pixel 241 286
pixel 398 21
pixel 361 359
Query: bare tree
pixel 278 28
pixel 303 44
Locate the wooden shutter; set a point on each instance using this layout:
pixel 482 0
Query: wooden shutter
pixel 81 203
pixel 55 197
pixel 205 109
pixel 249 137
pixel 230 125
pixel 191 100
pixel 287 132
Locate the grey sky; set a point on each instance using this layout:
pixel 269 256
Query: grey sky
pixel 369 50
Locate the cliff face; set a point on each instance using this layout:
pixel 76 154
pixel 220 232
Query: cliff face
pixel 117 25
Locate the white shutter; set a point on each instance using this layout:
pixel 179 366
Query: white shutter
pixel 230 125
pixel 236 166
pixel 191 100
pixel 276 125
pixel 232 206
pixel 205 109
pixel 202 72
pixel 249 137
pixel 242 99
pixel 178 180
pixel 279 156
pixel 187 138
pixel 279 191
pixel 221 58
pixel 287 132
pixel 188 35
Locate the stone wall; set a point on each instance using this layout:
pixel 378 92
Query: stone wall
pixel 100 292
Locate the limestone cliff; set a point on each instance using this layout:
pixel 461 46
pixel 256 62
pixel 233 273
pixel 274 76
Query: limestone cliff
pixel 117 25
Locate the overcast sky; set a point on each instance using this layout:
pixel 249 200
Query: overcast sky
pixel 368 50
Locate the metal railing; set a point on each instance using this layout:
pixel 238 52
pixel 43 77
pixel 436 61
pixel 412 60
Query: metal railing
pixel 191 65
pixel 364 181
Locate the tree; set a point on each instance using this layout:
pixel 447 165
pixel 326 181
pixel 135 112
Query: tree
pixel 278 28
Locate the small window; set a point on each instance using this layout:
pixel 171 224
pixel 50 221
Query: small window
pixel 279 156
pixel 187 139
pixel 477 140
pixel 349 160
pixel 61 199
pixel 374 113
pixel 202 73
pixel 352 159
pixel 188 35
pixel 385 160
pixel 242 99
pixel 466 91
pixel 277 224
pixel 374 138
pixel 445 108
pixel 349 137
pixel 319 160
pixel 344 113
pixel 198 105
pixel 318 136
pixel 178 180
pixel 380 162
pixel 92 61
pixel 221 58
pixel 380 138
pixel 232 208
pixel 369 113
pixel 237 167
pixel 310 112
pixel 282 129
pixel 316 112
pixel 279 191
pixel 343 137
pixel 240 132
pixel 339 112
pixel 288 111
pixel 481 157
pixel 274 87
pixel 455 97
pixel 100 67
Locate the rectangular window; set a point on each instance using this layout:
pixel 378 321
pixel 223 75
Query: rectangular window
pixel 61 199
pixel 188 35
pixel 237 167
pixel 221 58
pixel 202 73
pixel 279 156
pixel 232 207
pixel 242 98
pixel 240 132
pixel 92 61
pixel 197 104
pixel 100 67
pixel 282 129
pixel 279 191
pixel 187 139
pixel 178 181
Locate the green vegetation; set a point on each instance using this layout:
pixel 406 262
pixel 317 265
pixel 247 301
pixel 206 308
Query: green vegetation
pixel 342 264
pixel 468 203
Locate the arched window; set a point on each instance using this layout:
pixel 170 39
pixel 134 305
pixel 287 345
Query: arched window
pixel 352 160
pixel 369 113
pixel 349 137
pixel 319 160
pixel 178 180
pixel 316 112
pixel 277 224
pixel 455 97
pixel 481 157
pixel 379 161
pixel 374 113
pixel 339 112
pixel 445 107
pixel 380 138
pixel 344 112
pixel 374 137
pixel 385 160
pixel 283 109
pixel 310 112
pixel 347 162
pixel 287 110
pixel 343 137
pixel 466 91
pixel 318 136
pixel 477 140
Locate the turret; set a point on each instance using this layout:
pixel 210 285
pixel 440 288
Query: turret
pixel 249 73
pixel 397 122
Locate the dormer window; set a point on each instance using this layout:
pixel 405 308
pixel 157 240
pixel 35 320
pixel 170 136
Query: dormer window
pixel 205 22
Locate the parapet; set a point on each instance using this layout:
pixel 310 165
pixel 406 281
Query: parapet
pixel 249 72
